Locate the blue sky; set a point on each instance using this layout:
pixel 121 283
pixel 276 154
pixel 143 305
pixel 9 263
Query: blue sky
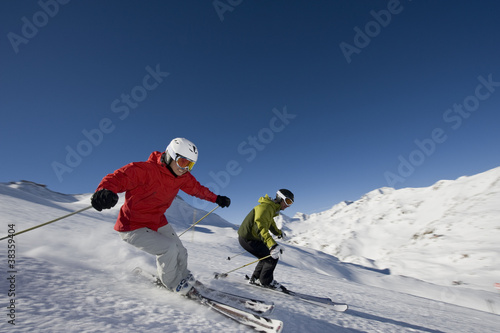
pixel 330 99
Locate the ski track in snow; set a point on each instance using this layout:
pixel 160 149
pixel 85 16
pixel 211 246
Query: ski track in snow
pixel 76 276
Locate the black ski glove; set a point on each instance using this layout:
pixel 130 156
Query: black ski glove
pixel 223 201
pixel 104 199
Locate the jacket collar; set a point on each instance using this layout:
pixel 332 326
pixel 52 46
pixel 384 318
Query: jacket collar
pixel 268 201
pixel 158 157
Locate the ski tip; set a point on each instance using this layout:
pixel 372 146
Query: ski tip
pixel 341 307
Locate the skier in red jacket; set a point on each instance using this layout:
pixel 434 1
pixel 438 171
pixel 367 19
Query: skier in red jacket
pixel 150 187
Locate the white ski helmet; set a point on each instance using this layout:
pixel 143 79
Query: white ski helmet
pixel 182 147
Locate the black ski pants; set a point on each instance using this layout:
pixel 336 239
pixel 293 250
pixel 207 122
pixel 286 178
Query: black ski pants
pixel 265 268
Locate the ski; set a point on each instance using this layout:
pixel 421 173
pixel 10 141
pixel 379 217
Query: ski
pixel 259 323
pixel 256 321
pixel 257 306
pixel 340 307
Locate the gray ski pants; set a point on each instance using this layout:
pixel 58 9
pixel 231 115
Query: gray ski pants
pixel 171 255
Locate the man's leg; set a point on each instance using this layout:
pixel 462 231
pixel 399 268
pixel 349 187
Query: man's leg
pixel 182 254
pixel 264 271
pixel 267 272
pixel 166 251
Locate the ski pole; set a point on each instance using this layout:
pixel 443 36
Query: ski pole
pixel 198 221
pixel 239 254
pixel 43 224
pixel 223 275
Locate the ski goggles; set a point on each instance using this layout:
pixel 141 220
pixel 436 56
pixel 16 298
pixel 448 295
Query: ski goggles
pixel 184 163
pixel 287 200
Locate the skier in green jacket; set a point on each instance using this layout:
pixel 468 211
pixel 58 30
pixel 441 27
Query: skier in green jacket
pixel 254 236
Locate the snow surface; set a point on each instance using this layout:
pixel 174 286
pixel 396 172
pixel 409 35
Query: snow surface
pixel 393 256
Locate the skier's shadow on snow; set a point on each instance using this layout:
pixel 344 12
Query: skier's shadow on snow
pixel 204 230
pixel 297 322
pixel 391 321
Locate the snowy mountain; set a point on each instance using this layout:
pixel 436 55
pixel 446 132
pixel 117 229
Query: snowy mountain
pixel 447 234
pixel 74 275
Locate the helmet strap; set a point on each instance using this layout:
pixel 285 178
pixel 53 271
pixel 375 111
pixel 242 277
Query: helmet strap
pixel 165 158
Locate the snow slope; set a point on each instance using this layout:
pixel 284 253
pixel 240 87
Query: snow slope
pixel 447 234
pixel 75 276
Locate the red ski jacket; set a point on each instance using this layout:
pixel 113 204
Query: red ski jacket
pixel 149 190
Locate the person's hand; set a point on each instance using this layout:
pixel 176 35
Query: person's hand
pixel 282 236
pixel 276 251
pixel 223 201
pixel 104 199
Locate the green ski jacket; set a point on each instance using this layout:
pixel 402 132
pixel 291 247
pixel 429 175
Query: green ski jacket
pixel 260 221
